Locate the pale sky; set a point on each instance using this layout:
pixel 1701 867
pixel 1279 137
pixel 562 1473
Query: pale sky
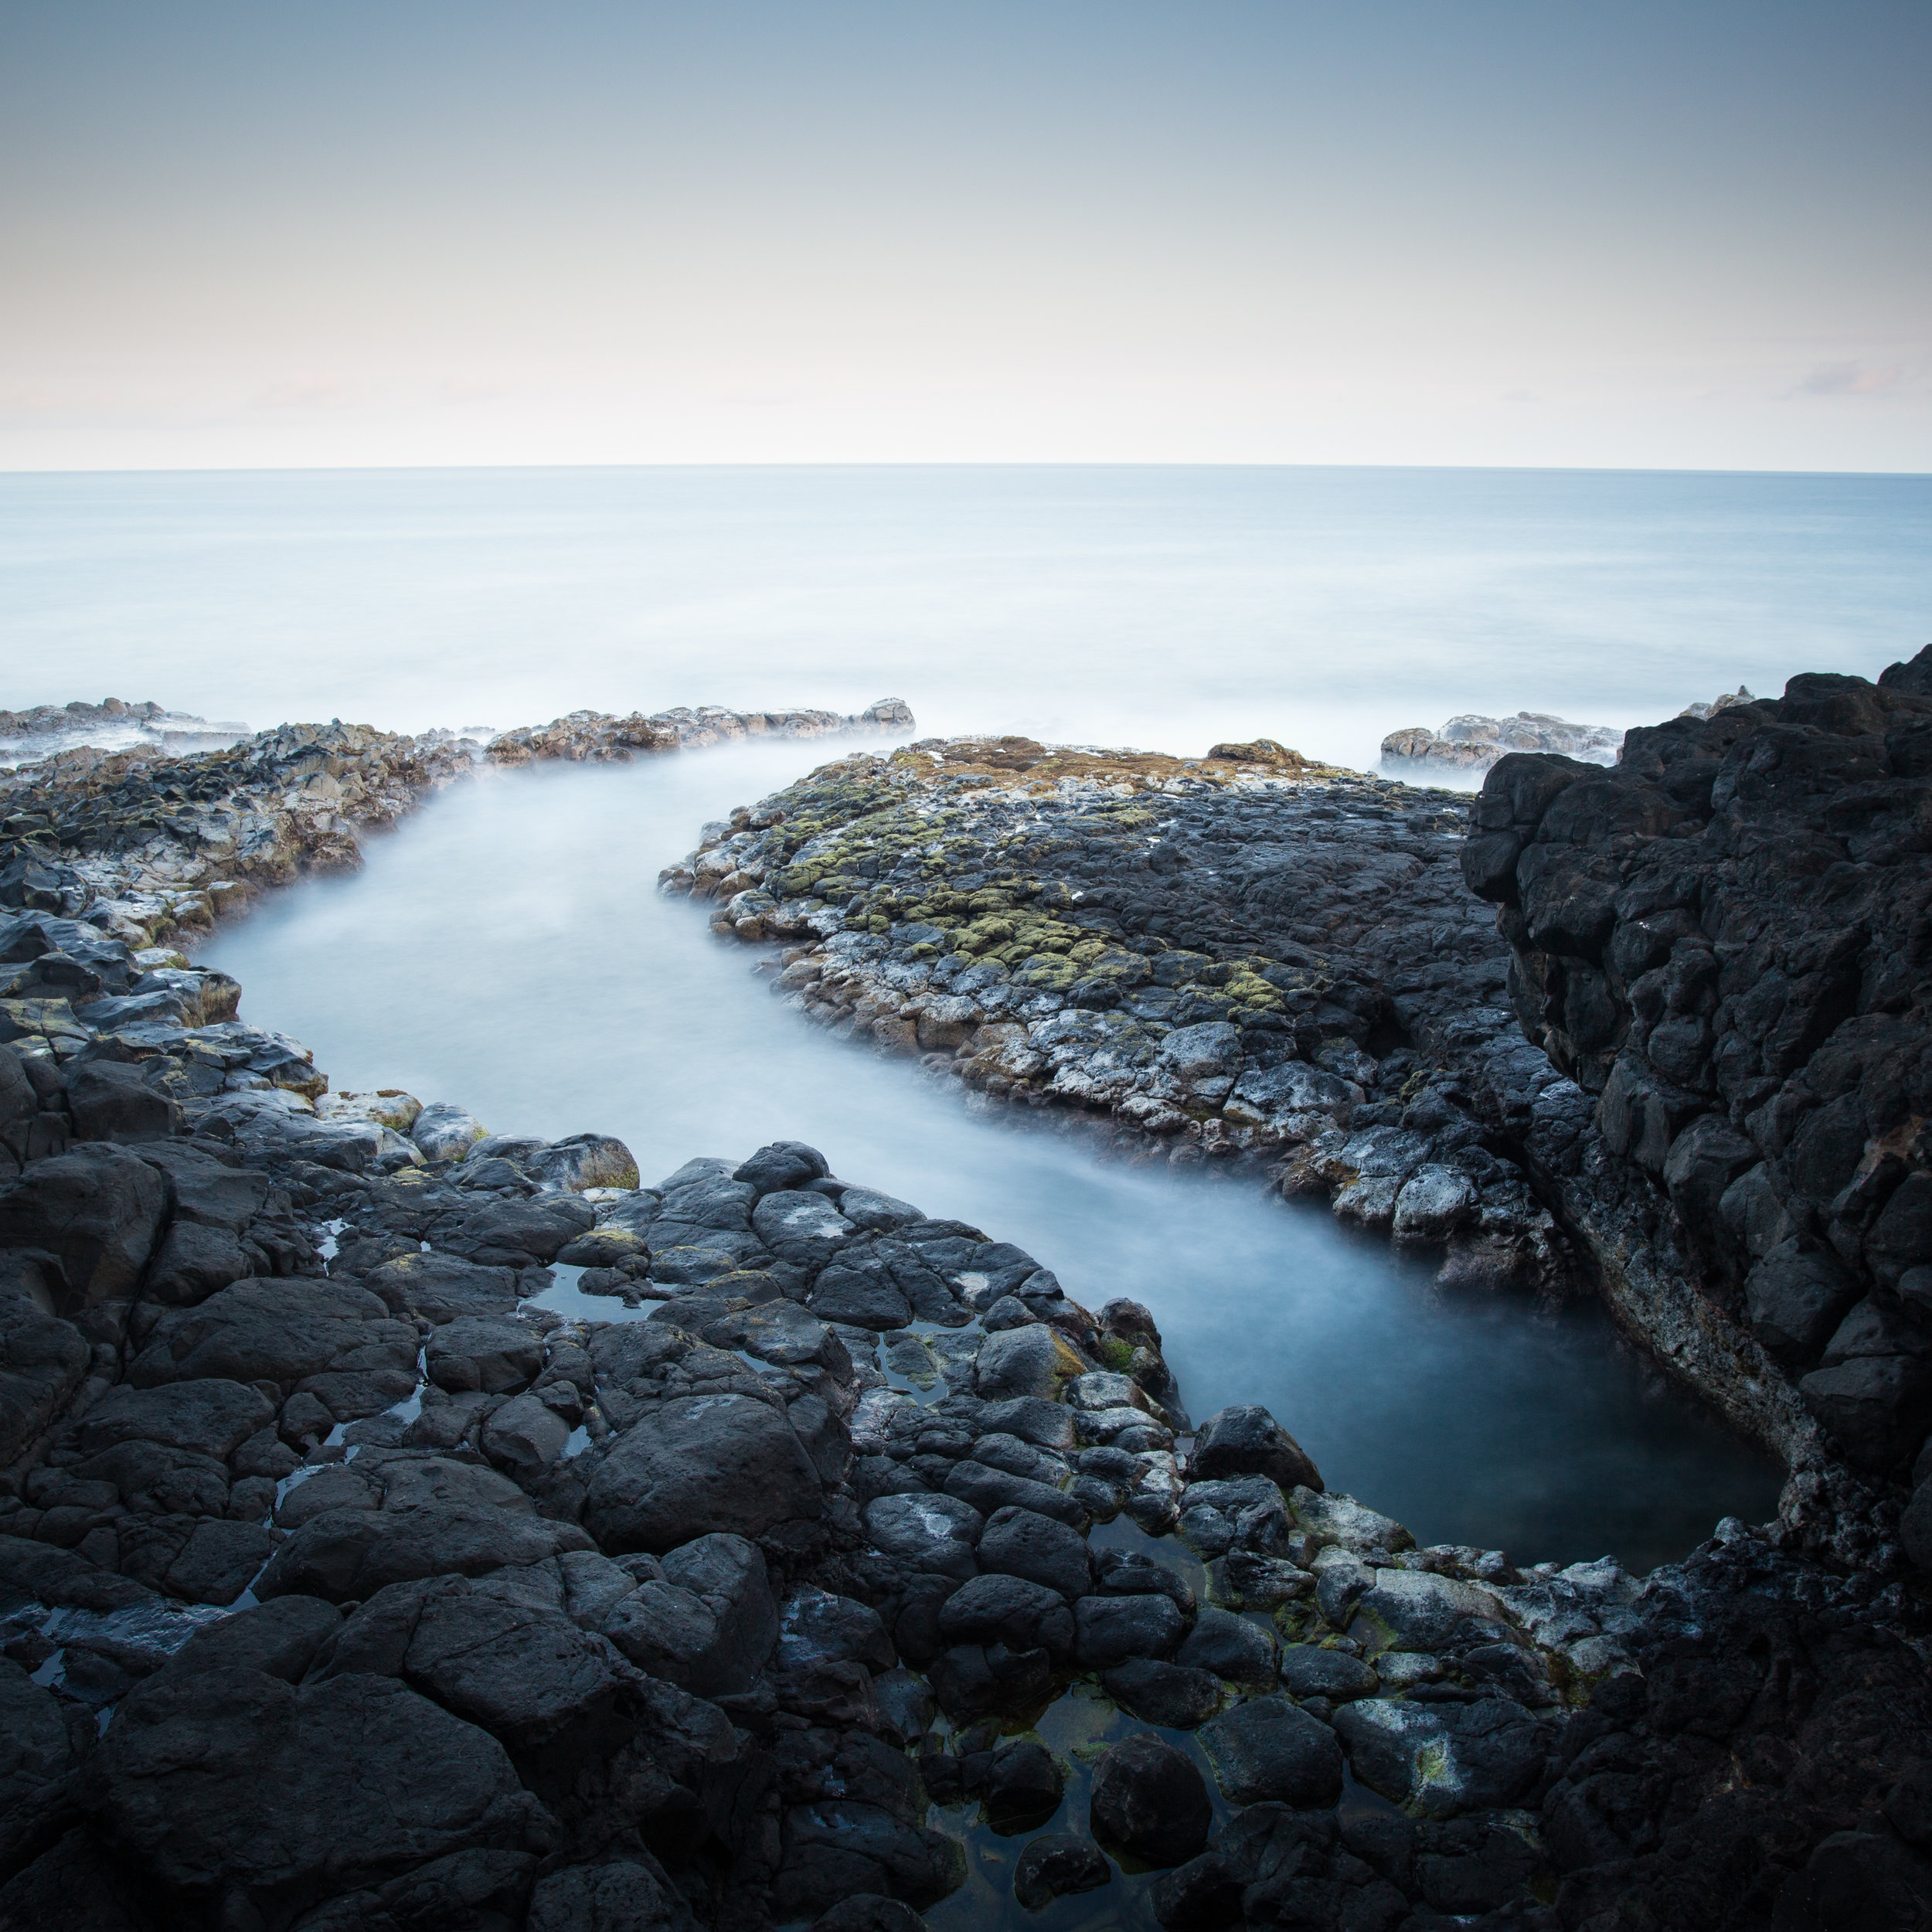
pixel 263 234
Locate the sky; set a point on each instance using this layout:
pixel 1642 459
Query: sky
pixel 455 232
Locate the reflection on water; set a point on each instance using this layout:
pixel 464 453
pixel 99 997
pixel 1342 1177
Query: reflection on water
pixel 508 949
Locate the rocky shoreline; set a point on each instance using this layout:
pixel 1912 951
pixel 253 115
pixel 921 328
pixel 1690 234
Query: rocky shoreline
pixel 355 1576
pixel 1248 959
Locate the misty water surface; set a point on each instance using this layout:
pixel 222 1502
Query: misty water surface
pixel 1163 607
pixel 508 949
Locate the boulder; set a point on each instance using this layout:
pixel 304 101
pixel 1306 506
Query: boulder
pixel 345 1556
pixel 274 1330
pixel 484 1352
pixel 553 1694
pixel 1009 1610
pixel 1795 1297
pixel 1031 1361
pixel 1246 1440
pixel 708 1623
pixel 282 1638
pixel 1269 1750
pixel 446 1132
pixel 783 1166
pixel 932 1533
pixel 1109 1630
pixel 112 1101
pixel 615 1895
pixel 1057 1866
pixel 42 1362
pixel 212 1415
pixel 1168 1694
pixel 1229 1646
pixel 1441 1760
pixel 1150 1801
pixel 442 1287
pixel 231 1782
pixel 702 1465
pixel 1023 1542
pixel 98 1210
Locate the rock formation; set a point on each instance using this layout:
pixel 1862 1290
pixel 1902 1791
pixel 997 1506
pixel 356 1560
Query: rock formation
pixel 349 1576
pixel 1472 744
pixel 1723 942
pixel 1244 958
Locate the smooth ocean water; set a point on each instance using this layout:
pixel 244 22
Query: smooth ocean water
pixel 507 949
pixel 1159 607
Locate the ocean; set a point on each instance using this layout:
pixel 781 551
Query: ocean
pixel 1159 607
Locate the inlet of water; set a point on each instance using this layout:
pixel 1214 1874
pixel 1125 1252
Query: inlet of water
pixel 507 949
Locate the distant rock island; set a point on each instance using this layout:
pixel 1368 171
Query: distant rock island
pixel 1472 742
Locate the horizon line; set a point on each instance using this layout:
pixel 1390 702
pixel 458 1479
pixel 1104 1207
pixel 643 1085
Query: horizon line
pixel 1547 469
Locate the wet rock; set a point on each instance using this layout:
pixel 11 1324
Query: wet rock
pixel 525 1436
pixel 1149 1800
pixel 553 1694
pixel 1308 1671
pixel 477 1352
pixel 442 1288
pixel 805 1229
pixel 1267 1749
pixel 345 1556
pixel 231 1782
pixel 973 1680
pixel 98 1210
pixel 934 1533
pixel 1415 1609
pixel 282 1638
pixel 1795 1297
pixel 42 1362
pixel 109 1102
pixel 836 1849
pixel 1022 1786
pixel 782 1167
pixel 446 1133
pixel 211 1415
pixel 280 1331
pixel 817 1626
pixel 1169 1694
pixel 1438 1760
pixel 1229 1646
pixel 869 1911
pixel 619 1895
pixel 1057 1866
pixel 42 1745
pixel 1021 1542
pixel 1110 1630
pixel 1008 1610
pixel 708 1624
pixel 989 1491
pixel 725 1463
pixel 1032 1361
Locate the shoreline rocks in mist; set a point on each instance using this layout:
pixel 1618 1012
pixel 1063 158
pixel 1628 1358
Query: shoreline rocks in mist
pixel 344 1583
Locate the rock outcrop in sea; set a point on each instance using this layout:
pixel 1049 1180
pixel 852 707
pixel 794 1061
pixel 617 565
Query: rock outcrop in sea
pixel 355 1572
pixel 1472 742
pixel 1244 959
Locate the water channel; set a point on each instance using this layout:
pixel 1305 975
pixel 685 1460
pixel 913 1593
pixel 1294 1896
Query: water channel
pixel 507 949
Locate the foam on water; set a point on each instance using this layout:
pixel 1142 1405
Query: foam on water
pixel 507 949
